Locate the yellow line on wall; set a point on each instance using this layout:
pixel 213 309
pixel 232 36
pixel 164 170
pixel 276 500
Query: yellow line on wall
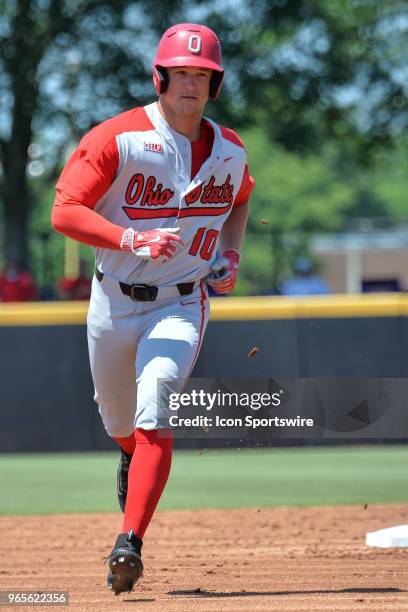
pixel 43 313
pixel 224 309
pixel 328 306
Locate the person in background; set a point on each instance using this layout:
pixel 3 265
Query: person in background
pixel 75 288
pixel 304 281
pixel 16 285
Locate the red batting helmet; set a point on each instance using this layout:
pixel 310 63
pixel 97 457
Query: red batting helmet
pixel 188 44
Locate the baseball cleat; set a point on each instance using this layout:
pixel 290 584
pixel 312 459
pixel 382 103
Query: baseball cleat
pixel 125 563
pixel 122 478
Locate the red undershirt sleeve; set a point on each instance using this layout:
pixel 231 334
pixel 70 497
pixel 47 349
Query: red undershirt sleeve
pixel 77 221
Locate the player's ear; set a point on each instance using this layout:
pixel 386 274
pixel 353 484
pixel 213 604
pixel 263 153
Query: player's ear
pixel 215 84
pixel 160 79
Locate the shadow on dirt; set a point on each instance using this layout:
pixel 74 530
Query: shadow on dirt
pixel 202 593
pixel 140 600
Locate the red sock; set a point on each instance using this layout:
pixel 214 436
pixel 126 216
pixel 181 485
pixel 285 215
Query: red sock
pixel 148 474
pixel 127 444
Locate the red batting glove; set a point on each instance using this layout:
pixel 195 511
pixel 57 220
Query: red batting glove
pixel 152 244
pixel 224 272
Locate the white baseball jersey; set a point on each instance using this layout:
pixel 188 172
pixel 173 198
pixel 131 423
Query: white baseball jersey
pixel 137 173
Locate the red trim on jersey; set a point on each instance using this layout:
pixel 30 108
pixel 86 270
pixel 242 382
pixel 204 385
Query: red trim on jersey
pixel 142 213
pixel 246 188
pixel 201 334
pixel 248 182
pixel 232 136
pixel 201 211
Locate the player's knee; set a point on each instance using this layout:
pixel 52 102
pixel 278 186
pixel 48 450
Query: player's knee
pixel 116 424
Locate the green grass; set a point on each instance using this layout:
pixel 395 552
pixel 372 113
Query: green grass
pixel 85 482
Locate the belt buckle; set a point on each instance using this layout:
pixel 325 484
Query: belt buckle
pixel 143 293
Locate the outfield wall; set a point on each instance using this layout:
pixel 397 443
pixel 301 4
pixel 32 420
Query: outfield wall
pixel 46 389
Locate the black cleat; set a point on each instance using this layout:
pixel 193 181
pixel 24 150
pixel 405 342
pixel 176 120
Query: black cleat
pixel 122 478
pixel 125 563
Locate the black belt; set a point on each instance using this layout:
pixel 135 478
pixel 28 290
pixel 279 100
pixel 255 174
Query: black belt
pixel 146 293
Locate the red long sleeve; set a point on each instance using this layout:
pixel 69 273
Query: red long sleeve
pixel 87 175
pixel 79 222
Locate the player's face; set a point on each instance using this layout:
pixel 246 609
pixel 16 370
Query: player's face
pixel 188 89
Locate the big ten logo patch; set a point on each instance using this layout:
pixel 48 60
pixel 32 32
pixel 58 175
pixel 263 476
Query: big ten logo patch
pixel 211 193
pixel 147 191
pixel 154 147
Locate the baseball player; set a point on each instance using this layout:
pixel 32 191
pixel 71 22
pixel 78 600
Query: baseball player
pixel 157 191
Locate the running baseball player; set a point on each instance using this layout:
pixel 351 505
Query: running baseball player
pixel 157 191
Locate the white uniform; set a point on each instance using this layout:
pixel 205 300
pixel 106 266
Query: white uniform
pixel 132 344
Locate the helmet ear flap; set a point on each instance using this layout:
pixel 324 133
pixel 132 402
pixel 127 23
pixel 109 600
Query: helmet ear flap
pixel 215 84
pixel 160 79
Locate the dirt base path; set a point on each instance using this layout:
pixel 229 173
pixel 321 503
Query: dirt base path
pixel 268 559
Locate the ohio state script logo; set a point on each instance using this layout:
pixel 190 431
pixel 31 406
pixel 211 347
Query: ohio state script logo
pixel 212 194
pixel 151 198
pixel 148 193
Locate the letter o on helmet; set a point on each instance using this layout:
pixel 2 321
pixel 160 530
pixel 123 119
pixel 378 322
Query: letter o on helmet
pixel 188 44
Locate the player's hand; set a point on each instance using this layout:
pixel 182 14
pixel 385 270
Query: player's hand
pixel 224 272
pixel 163 243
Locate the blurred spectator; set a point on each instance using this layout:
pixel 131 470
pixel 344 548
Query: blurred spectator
pixel 76 288
pixel 304 281
pixel 16 285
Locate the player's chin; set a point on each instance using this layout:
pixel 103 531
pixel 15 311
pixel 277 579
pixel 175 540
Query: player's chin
pixel 190 106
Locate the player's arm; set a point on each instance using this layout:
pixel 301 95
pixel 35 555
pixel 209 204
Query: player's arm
pixel 75 220
pixel 225 268
pixel 85 179
pixel 233 230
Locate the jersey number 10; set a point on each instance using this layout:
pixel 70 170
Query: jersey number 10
pixel 204 243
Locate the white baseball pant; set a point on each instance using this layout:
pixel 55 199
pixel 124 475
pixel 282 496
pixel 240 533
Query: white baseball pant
pixel 133 344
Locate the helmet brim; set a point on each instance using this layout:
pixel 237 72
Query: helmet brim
pixel 196 62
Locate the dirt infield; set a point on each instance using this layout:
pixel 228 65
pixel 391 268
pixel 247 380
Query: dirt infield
pixel 267 559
